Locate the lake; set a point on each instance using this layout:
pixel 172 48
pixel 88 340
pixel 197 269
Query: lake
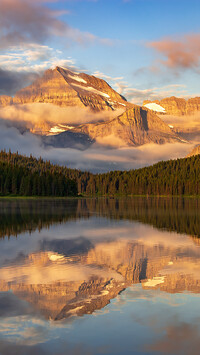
pixel 100 276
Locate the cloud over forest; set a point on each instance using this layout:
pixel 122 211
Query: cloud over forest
pixel 97 158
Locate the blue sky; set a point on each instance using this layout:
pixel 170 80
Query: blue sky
pixel 146 49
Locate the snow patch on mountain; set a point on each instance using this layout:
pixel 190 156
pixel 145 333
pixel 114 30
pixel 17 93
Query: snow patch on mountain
pixel 91 89
pixel 59 129
pixel 155 107
pixel 77 78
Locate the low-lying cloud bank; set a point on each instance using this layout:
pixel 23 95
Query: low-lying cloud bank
pixel 186 122
pixel 188 126
pixel 39 115
pixel 95 159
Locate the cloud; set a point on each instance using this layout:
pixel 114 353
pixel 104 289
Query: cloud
pixel 25 21
pixel 50 272
pixel 184 123
pixel 8 348
pixel 97 158
pixel 11 306
pixel 183 53
pixel 37 115
pixel 110 141
pixel 33 57
pixel 11 81
pixel 188 126
pixel 137 96
pixel 107 77
pixel 178 339
pixel 22 64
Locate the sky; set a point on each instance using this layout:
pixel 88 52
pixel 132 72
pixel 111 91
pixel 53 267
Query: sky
pixel 145 49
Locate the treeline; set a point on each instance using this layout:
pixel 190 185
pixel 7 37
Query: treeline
pixel 31 176
pixel 21 179
pixel 173 177
pixel 44 168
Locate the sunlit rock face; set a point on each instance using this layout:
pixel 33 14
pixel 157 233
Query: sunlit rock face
pixel 194 151
pixel 178 106
pixel 5 100
pixel 136 126
pixel 84 277
pixel 113 121
pixel 63 87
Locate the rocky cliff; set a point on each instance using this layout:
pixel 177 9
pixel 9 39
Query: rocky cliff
pixel 136 126
pixel 178 106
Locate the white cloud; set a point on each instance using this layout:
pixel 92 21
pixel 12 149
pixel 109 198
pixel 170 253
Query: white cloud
pixel 137 95
pixel 104 76
pixel 33 57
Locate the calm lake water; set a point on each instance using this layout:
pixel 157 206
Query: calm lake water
pixel 100 276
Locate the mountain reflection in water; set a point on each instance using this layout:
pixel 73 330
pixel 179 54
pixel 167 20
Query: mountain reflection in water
pixel 83 254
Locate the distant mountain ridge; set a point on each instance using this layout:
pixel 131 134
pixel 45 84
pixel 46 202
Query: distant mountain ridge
pixel 178 106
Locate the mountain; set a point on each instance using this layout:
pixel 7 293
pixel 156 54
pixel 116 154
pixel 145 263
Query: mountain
pixel 89 96
pixel 63 87
pixel 177 106
pixel 69 139
pixel 195 151
pixel 154 107
pixel 136 126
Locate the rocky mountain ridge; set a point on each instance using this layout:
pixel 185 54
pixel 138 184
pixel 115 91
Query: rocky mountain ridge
pixel 136 126
pixel 178 106
pixel 63 87
pixel 66 89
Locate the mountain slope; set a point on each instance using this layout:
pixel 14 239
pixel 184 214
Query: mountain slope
pixel 69 139
pixel 135 126
pixel 63 87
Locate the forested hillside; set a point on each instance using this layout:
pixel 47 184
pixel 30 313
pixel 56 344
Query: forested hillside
pixel 173 177
pixel 29 176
